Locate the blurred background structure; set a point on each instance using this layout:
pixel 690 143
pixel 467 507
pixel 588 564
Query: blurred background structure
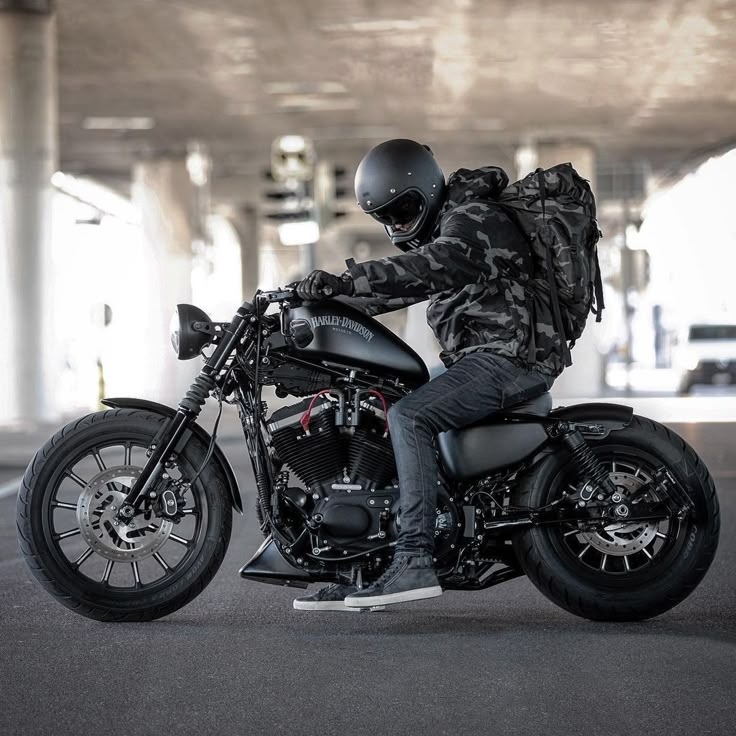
pixel 168 151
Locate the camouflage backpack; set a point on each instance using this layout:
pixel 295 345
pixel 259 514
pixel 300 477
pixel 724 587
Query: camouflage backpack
pixel 555 209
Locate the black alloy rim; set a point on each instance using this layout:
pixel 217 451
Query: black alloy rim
pixel 622 553
pixel 146 569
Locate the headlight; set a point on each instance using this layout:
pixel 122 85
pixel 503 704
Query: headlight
pixel 191 330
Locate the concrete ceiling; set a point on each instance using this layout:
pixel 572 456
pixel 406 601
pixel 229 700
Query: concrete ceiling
pixel 653 79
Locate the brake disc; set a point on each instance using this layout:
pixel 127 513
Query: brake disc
pixel 623 538
pixel 97 508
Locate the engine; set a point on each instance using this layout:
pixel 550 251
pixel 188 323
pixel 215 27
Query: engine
pixel 337 444
pixel 332 448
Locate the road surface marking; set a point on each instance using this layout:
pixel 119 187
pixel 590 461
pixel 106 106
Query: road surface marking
pixel 10 488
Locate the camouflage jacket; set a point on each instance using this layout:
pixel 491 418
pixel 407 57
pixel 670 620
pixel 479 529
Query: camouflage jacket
pixel 473 271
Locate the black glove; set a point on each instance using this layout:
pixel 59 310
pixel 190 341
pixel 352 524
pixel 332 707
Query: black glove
pixel 322 285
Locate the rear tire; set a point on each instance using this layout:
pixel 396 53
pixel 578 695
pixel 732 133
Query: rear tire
pixel 44 497
pixel 675 566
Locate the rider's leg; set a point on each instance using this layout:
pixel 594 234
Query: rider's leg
pixel 472 389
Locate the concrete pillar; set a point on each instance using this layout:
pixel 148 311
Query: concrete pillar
pixel 585 376
pixel 247 225
pixel 165 196
pixel 28 158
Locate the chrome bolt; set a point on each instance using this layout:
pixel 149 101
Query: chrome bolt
pixel 622 510
pixel 581 504
pixel 152 494
pixel 616 497
pixel 601 497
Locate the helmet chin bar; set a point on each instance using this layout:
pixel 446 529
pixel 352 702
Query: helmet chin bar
pixel 404 245
pixel 414 237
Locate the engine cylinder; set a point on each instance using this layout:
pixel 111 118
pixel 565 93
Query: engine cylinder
pixel 313 457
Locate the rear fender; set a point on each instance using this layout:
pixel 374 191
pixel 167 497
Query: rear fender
pixel 609 416
pixel 218 456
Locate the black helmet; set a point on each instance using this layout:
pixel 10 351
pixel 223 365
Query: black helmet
pixel 400 184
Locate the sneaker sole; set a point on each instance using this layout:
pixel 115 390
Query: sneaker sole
pixel 330 606
pixel 392 598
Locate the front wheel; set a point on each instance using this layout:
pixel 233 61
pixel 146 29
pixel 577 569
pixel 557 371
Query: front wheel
pixel 623 572
pixel 88 560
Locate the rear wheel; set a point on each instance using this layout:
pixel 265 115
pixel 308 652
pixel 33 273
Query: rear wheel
pixel 92 563
pixel 624 571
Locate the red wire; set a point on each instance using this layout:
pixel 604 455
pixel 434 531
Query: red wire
pixel 304 421
pixel 377 393
pixel 306 417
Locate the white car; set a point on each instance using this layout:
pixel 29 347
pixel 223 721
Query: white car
pixel 708 356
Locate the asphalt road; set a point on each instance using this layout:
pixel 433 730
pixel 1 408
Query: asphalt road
pixel 239 660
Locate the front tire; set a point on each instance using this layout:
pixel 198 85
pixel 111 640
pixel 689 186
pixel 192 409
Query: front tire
pixel 625 572
pixel 65 517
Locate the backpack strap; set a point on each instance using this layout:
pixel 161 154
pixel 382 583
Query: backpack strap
pixel 531 350
pixel 544 236
pixel 600 305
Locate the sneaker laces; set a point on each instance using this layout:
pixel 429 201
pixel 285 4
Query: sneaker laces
pixel 391 569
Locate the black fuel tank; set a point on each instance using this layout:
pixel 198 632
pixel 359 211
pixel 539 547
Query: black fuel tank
pixel 342 334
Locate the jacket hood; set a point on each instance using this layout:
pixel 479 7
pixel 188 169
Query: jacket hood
pixel 486 182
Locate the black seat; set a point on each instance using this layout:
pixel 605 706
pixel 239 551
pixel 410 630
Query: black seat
pixel 479 450
pixel 541 405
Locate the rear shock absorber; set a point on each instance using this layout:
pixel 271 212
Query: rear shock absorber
pixel 587 465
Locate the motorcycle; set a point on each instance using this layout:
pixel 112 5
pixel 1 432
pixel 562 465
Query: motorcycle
pixel 126 514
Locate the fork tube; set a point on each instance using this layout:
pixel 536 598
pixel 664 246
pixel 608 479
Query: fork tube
pixel 189 409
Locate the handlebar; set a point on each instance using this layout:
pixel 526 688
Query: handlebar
pixel 277 295
pixel 287 294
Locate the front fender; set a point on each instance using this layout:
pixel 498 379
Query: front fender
pixel 218 456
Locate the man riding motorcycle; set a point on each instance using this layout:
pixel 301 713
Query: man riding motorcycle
pixel 465 255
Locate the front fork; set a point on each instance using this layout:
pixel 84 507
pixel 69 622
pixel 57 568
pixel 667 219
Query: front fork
pixel 188 410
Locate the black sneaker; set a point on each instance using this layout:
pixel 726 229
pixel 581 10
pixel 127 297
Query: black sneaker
pixel 330 598
pixel 408 578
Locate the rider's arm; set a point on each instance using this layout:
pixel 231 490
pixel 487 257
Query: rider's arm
pixel 461 255
pixel 374 305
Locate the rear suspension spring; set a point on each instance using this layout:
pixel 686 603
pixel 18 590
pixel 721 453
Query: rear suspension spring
pixel 587 466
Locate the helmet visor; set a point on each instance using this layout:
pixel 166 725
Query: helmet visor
pixel 401 212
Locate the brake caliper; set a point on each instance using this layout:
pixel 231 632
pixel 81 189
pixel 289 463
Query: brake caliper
pixel 171 502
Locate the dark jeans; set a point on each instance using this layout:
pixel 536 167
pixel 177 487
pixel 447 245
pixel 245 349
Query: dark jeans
pixel 471 389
